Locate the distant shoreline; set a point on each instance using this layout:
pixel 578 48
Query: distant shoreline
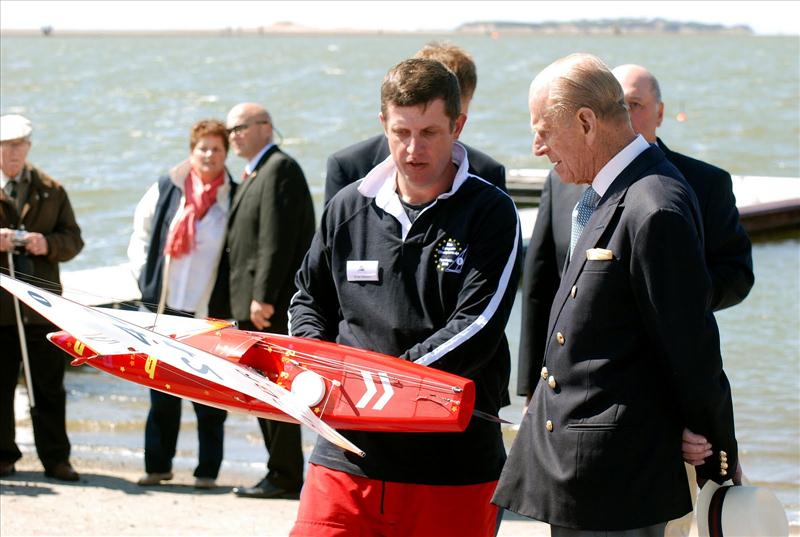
pixel 489 29
pixel 349 33
pixel 282 30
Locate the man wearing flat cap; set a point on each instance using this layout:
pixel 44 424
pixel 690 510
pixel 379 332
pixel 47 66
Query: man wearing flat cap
pixel 37 231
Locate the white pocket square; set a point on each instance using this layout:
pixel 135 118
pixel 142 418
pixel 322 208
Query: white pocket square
pixel 599 254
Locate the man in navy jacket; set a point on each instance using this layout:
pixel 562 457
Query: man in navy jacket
pixel 419 261
pixel 632 351
pixel 727 246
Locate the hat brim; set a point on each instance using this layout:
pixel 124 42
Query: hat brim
pixel 739 511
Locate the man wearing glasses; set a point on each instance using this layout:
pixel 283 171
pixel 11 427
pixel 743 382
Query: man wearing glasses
pixel 270 228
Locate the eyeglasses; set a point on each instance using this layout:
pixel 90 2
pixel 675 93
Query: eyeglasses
pixel 239 129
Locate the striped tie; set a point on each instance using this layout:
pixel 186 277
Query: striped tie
pixel 11 189
pixel 580 215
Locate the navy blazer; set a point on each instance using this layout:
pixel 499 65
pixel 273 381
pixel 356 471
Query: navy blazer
pixel 727 250
pixel 352 163
pixel 632 357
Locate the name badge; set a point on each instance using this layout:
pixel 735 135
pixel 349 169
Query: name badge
pixel 362 271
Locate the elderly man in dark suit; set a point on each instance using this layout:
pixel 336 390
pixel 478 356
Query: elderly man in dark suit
pixel 632 352
pixel 269 231
pixel 354 162
pixel 727 246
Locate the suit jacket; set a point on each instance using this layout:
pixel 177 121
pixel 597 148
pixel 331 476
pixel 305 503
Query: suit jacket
pixel 633 354
pixel 269 231
pixel 727 250
pixel 350 164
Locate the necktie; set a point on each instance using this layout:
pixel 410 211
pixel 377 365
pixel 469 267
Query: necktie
pixel 245 175
pixel 580 215
pixel 12 191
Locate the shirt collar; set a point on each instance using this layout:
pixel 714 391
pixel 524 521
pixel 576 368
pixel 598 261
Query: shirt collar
pixel 250 166
pixel 21 177
pixel 614 167
pixel 381 183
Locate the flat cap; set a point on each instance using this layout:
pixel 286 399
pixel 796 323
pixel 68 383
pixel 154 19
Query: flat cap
pixel 14 127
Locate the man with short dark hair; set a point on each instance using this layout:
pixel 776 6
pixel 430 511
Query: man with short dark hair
pixel 354 162
pixel 632 353
pixel 269 230
pixel 34 211
pixel 419 261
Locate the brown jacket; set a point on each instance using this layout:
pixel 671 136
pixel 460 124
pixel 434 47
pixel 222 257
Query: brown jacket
pixel 46 210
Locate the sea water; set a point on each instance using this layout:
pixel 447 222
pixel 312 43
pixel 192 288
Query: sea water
pixel 112 113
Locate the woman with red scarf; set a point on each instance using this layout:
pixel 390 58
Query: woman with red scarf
pixel 176 253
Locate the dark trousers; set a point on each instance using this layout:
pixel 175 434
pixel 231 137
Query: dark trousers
pixel 284 447
pixel 161 435
pixel 47 375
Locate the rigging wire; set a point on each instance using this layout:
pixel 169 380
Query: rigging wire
pixel 337 365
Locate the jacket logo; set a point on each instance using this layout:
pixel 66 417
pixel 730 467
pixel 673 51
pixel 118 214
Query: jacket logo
pixel 449 256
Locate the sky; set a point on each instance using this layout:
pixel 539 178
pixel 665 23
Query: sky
pixel 769 17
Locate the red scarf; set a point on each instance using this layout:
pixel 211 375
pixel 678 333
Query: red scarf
pixel 199 199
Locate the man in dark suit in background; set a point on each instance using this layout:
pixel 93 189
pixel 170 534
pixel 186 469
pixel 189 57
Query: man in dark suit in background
pixel 269 231
pixel 632 354
pixel 354 162
pixel 727 247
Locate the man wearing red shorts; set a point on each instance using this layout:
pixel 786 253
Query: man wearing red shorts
pixel 418 260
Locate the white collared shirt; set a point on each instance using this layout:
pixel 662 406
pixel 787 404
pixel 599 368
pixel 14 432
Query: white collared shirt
pixel 619 162
pixel 250 166
pixel 192 276
pixel 381 184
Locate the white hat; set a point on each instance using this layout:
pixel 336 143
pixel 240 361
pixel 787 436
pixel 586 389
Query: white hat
pixel 739 511
pixel 14 127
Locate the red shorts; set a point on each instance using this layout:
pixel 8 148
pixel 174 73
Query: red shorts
pixel 337 504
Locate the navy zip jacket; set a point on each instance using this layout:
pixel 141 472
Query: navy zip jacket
pixel 441 296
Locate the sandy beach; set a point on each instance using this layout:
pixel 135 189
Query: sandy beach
pixel 107 501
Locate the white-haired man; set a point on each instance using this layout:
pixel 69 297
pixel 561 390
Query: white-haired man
pixel 38 231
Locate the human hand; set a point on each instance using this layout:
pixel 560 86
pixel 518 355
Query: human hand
pixel 36 244
pixel 260 314
pixel 6 234
pixel 695 448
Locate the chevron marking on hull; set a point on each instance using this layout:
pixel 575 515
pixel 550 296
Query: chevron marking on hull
pixel 371 390
pixel 388 392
